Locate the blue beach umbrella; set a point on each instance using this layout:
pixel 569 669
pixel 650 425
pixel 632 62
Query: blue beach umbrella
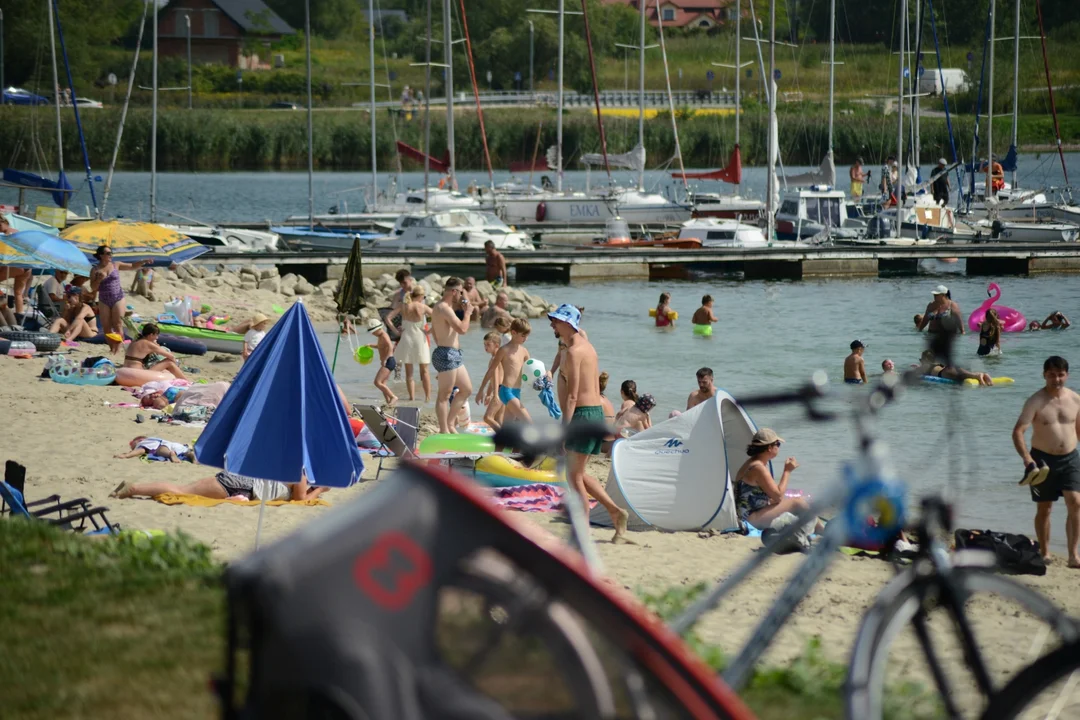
pixel 283 414
pixel 49 251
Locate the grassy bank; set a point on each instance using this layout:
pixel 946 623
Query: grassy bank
pixel 208 140
pixel 126 629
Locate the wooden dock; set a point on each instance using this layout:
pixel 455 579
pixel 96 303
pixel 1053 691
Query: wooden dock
pixel 588 263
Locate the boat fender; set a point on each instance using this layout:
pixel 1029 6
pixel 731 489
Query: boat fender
pixel 541 212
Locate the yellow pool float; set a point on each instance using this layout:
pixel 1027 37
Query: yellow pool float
pixel 500 470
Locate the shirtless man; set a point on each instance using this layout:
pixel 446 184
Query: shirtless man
pixel 509 358
pixel 496 311
pixel 1052 467
pixel 476 300
pixel 496 266
pixel 446 357
pixel 397 300
pixel 581 366
pixel 854 365
pixel 705 388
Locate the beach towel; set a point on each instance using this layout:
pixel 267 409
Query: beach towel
pixel 534 497
pixel 200 501
pixel 547 396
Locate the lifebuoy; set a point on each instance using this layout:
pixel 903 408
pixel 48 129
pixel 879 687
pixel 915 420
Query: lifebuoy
pixel 541 212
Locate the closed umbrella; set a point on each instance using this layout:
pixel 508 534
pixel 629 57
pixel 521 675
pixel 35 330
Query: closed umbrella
pixel 51 251
pixel 134 241
pixel 282 415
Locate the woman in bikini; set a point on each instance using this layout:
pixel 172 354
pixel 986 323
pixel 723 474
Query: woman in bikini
pixel 942 314
pixel 990 333
pixel 105 282
pixel 929 365
pixel 146 354
pixel 633 417
pixel 759 498
pixel 78 321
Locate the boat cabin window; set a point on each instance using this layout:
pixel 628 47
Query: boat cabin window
pixel 830 211
pixel 415 200
pixel 790 207
pixel 812 209
pixel 721 235
pixel 410 221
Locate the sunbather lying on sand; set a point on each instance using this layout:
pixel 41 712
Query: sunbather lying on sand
pixel 223 486
pixel 171 451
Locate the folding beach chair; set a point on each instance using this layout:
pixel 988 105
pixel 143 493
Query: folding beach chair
pixel 397 437
pixel 70 515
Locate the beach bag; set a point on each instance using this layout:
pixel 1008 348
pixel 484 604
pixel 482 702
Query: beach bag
pixel 799 542
pixel 192 413
pixel 1015 554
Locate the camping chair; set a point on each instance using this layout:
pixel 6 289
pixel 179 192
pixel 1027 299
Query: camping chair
pixel 398 438
pixel 71 515
pixel 45 305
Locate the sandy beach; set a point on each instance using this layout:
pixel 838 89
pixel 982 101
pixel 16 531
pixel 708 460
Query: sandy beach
pixel 67 437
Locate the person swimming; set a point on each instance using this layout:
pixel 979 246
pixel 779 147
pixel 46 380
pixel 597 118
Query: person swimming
pixel 664 312
pixel 854 365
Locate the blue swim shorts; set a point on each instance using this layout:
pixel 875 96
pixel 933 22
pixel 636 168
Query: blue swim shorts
pixel 506 394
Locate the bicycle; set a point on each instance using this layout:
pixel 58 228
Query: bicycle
pixel 934 581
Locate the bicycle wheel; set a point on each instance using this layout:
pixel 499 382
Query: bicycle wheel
pixel 1026 696
pixel 904 602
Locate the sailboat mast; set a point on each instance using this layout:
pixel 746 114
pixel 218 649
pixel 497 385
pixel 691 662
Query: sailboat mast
pixel 310 133
pixel 371 88
pixel 56 89
pixel 832 68
pixel 641 90
pixel 559 100
pixel 988 191
pixel 738 80
pixel 153 118
pixel 771 149
pixel 899 189
pixel 427 110
pixel 448 58
pixel 1016 85
pixel 913 83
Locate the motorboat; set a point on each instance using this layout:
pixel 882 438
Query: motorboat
pixel 321 238
pixel 1033 231
pixel 733 207
pixel 715 232
pixel 617 235
pixel 815 211
pixel 453 230
pixel 226 239
pixel 385 211
pixel 578 208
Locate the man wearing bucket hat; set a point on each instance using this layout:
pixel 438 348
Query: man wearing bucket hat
pixel 581 367
pixel 942 315
pixel 940 186
pixel 387 361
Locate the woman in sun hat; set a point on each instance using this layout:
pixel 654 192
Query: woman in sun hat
pixel 942 314
pixel 759 498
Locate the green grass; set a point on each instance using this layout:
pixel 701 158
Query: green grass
pixel 127 628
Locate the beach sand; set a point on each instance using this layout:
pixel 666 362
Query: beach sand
pixel 67 436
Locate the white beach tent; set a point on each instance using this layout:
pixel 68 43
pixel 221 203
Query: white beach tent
pixel 677 474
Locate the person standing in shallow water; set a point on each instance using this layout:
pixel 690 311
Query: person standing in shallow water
pixel 581 366
pixel 446 357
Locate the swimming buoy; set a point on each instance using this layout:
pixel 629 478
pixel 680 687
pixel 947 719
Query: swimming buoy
pixel 672 314
pixel 703 330
pixel 499 471
pixel 970 382
pixel 541 212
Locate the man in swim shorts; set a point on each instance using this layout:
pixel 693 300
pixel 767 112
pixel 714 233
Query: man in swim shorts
pixel 705 388
pixel 446 358
pixel 495 266
pixel 581 368
pixel 1052 467
pixel 509 358
pixel 854 365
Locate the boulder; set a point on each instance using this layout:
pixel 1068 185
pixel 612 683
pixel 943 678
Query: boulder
pixel 171 275
pixel 288 280
pixel 368 285
pixel 250 270
pixel 210 282
pixel 231 280
pixel 286 290
pixel 273 284
pixel 434 280
pixel 303 287
pixel 517 294
pixel 386 280
pixel 270 272
pixel 536 311
pixel 515 307
pixel 193 282
pixel 330 285
pixel 535 300
pixel 484 288
pixel 249 283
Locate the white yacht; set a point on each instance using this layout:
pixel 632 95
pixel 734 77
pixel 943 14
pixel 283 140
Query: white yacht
pixel 386 210
pixel 453 230
pixel 226 239
pixel 734 207
pixel 1033 231
pixel 723 233
pixel 808 212
pixel 578 208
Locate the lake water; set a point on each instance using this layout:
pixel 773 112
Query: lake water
pixel 266 196
pixel 771 335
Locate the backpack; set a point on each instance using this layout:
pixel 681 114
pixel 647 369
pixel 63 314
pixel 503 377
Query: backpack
pixel 1015 554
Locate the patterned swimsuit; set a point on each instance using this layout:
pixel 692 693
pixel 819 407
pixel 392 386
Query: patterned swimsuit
pixel 110 291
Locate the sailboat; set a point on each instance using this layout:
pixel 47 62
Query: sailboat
pixel 636 206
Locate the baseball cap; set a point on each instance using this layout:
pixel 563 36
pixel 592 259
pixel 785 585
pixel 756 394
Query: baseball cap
pixel 766 436
pixel 940 290
pixel 857 344
pixel 568 314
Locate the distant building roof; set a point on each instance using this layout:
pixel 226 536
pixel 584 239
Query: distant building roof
pixel 682 13
pixel 247 14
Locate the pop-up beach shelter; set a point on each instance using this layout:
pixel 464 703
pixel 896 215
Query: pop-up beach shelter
pixel 282 415
pixel 677 474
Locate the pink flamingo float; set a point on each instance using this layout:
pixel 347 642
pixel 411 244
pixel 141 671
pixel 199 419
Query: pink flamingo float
pixel 1011 320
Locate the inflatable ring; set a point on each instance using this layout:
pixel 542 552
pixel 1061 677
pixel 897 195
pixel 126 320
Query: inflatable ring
pixel 42 341
pixel 499 471
pixel 75 375
pixel 703 330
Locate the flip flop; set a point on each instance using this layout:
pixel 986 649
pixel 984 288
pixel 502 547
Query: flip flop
pixel 1041 475
pixel 1030 473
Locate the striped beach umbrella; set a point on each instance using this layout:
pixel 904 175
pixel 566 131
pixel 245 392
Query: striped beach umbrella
pixel 134 241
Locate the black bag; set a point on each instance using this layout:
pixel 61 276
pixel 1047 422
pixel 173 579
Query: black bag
pixel 1016 554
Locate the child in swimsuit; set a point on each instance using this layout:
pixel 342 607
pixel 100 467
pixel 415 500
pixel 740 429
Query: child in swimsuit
pixel 854 365
pixel 510 358
pixel 495 410
pixel 664 312
pixel 387 363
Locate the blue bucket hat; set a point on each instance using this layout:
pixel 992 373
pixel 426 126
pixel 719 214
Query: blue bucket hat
pixel 568 314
